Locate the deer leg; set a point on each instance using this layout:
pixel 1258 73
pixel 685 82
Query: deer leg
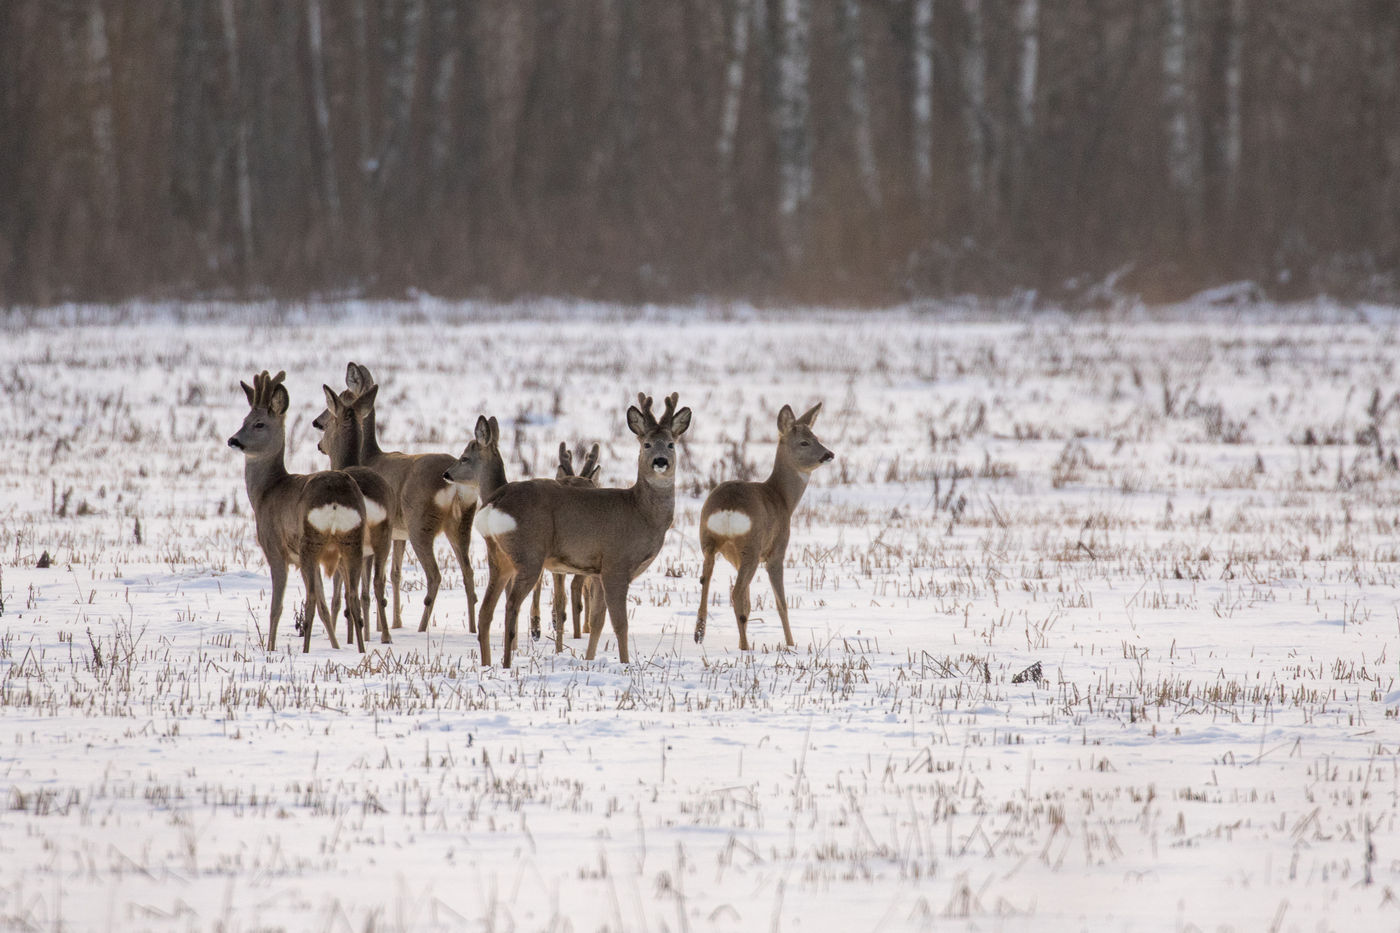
pixel 350 561
pixel 422 540
pixel 559 611
pixel 535 608
pixel 279 590
pixel 515 596
pixel 326 616
pixel 706 572
pixel 739 596
pixel 335 600
pixel 378 560
pixel 460 538
pixel 397 579
pixel 496 582
pixel 576 601
pixel 615 594
pixel 775 577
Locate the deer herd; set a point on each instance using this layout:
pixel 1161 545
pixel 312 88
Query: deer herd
pixel 345 520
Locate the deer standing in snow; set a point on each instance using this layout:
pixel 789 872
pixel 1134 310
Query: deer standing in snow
pixel 341 442
pixel 313 521
pixel 425 506
pixel 615 534
pixel 750 522
pixel 587 475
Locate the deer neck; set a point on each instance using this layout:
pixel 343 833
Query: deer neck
pixel 655 501
pixel 369 440
pixel 787 480
pixel 263 474
pixel 493 477
pixel 347 451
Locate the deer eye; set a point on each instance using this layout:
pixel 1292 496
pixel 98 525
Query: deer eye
pixel 259 425
pixel 647 445
pixel 670 446
pixel 805 444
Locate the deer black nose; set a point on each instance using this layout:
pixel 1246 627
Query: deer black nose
pixel 235 443
pixel 828 457
pixel 660 463
pixel 447 475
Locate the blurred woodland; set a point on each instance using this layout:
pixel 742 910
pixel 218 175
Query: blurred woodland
pixel 810 150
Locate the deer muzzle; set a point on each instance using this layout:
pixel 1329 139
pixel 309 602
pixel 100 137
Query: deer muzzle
pixel 235 443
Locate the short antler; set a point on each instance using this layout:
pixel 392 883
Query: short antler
pixel 590 462
pixel 566 460
pixel 264 387
pixel 669 415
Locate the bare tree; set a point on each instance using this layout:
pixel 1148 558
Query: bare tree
pixel 858 99
pixel 923 101
pixel 794 132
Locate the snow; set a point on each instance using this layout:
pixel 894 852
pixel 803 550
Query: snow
pixel 1181 515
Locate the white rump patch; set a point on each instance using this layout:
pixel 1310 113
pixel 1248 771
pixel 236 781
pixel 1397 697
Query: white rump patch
pixel 729 524
pixel 444 497
pixel 333 519
pixel 374 512
pixel 492 522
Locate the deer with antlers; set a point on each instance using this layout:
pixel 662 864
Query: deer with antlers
pixel 613 534
pixel 313 521
pixel 341 442
pixel 425 505
pixel 749 523
pixel 581 586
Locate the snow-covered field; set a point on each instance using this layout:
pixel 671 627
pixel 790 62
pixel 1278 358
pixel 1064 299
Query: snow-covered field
pixel 1190 520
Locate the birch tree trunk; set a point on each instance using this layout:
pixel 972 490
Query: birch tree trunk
pixel 1028 40
pixel 1182 161
pixel 445 74
pixel 923 102
pixel 330 191
pixel 243 181
pixel 733 98
pixel 858 99
pixel 99 84
pixel 975 103
pixel 794 134
pixel 1234 123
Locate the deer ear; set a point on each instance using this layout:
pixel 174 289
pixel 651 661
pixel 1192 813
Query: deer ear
pixel 248 391
pixel 364 402
pixel 482 432
pixel 332 400
pixel 357 378
pixel 495 431
pixel 636 422
pixel 279 401
pixel 786 419
pixel 810 418
pixel 680 422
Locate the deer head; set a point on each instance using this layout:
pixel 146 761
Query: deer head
pixel 483 449
pixel 798 443
pixel 656 459
pixel 264 429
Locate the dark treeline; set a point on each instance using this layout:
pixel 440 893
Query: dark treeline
pixel 819 150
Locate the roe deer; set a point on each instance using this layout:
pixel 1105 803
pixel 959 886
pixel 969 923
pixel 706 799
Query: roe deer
pixel 425 506
pixel 587 475
pixel 542 524
pixel 341 442
pixel 750 522
pixel 313 520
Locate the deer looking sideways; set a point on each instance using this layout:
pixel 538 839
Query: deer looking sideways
pixel 615 534
pixel 341 442
pixel 587 475
pixel 750 522
pixel 426 504
pixel 313 520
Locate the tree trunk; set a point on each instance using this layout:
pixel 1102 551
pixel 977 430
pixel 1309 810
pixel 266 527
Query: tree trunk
pixel 794 134
pixel 733 98
pixel 1182 163
pixel 99 83
pixel 330 191
pixel 858 99
pixel 923 102
pixel 243 180
pixel 975 100
pixel 1234 123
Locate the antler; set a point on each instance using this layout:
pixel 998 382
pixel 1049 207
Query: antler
pixel 263 388
pixel 590 462
pixel 670 412
pixel 644 404
pixel 566 460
